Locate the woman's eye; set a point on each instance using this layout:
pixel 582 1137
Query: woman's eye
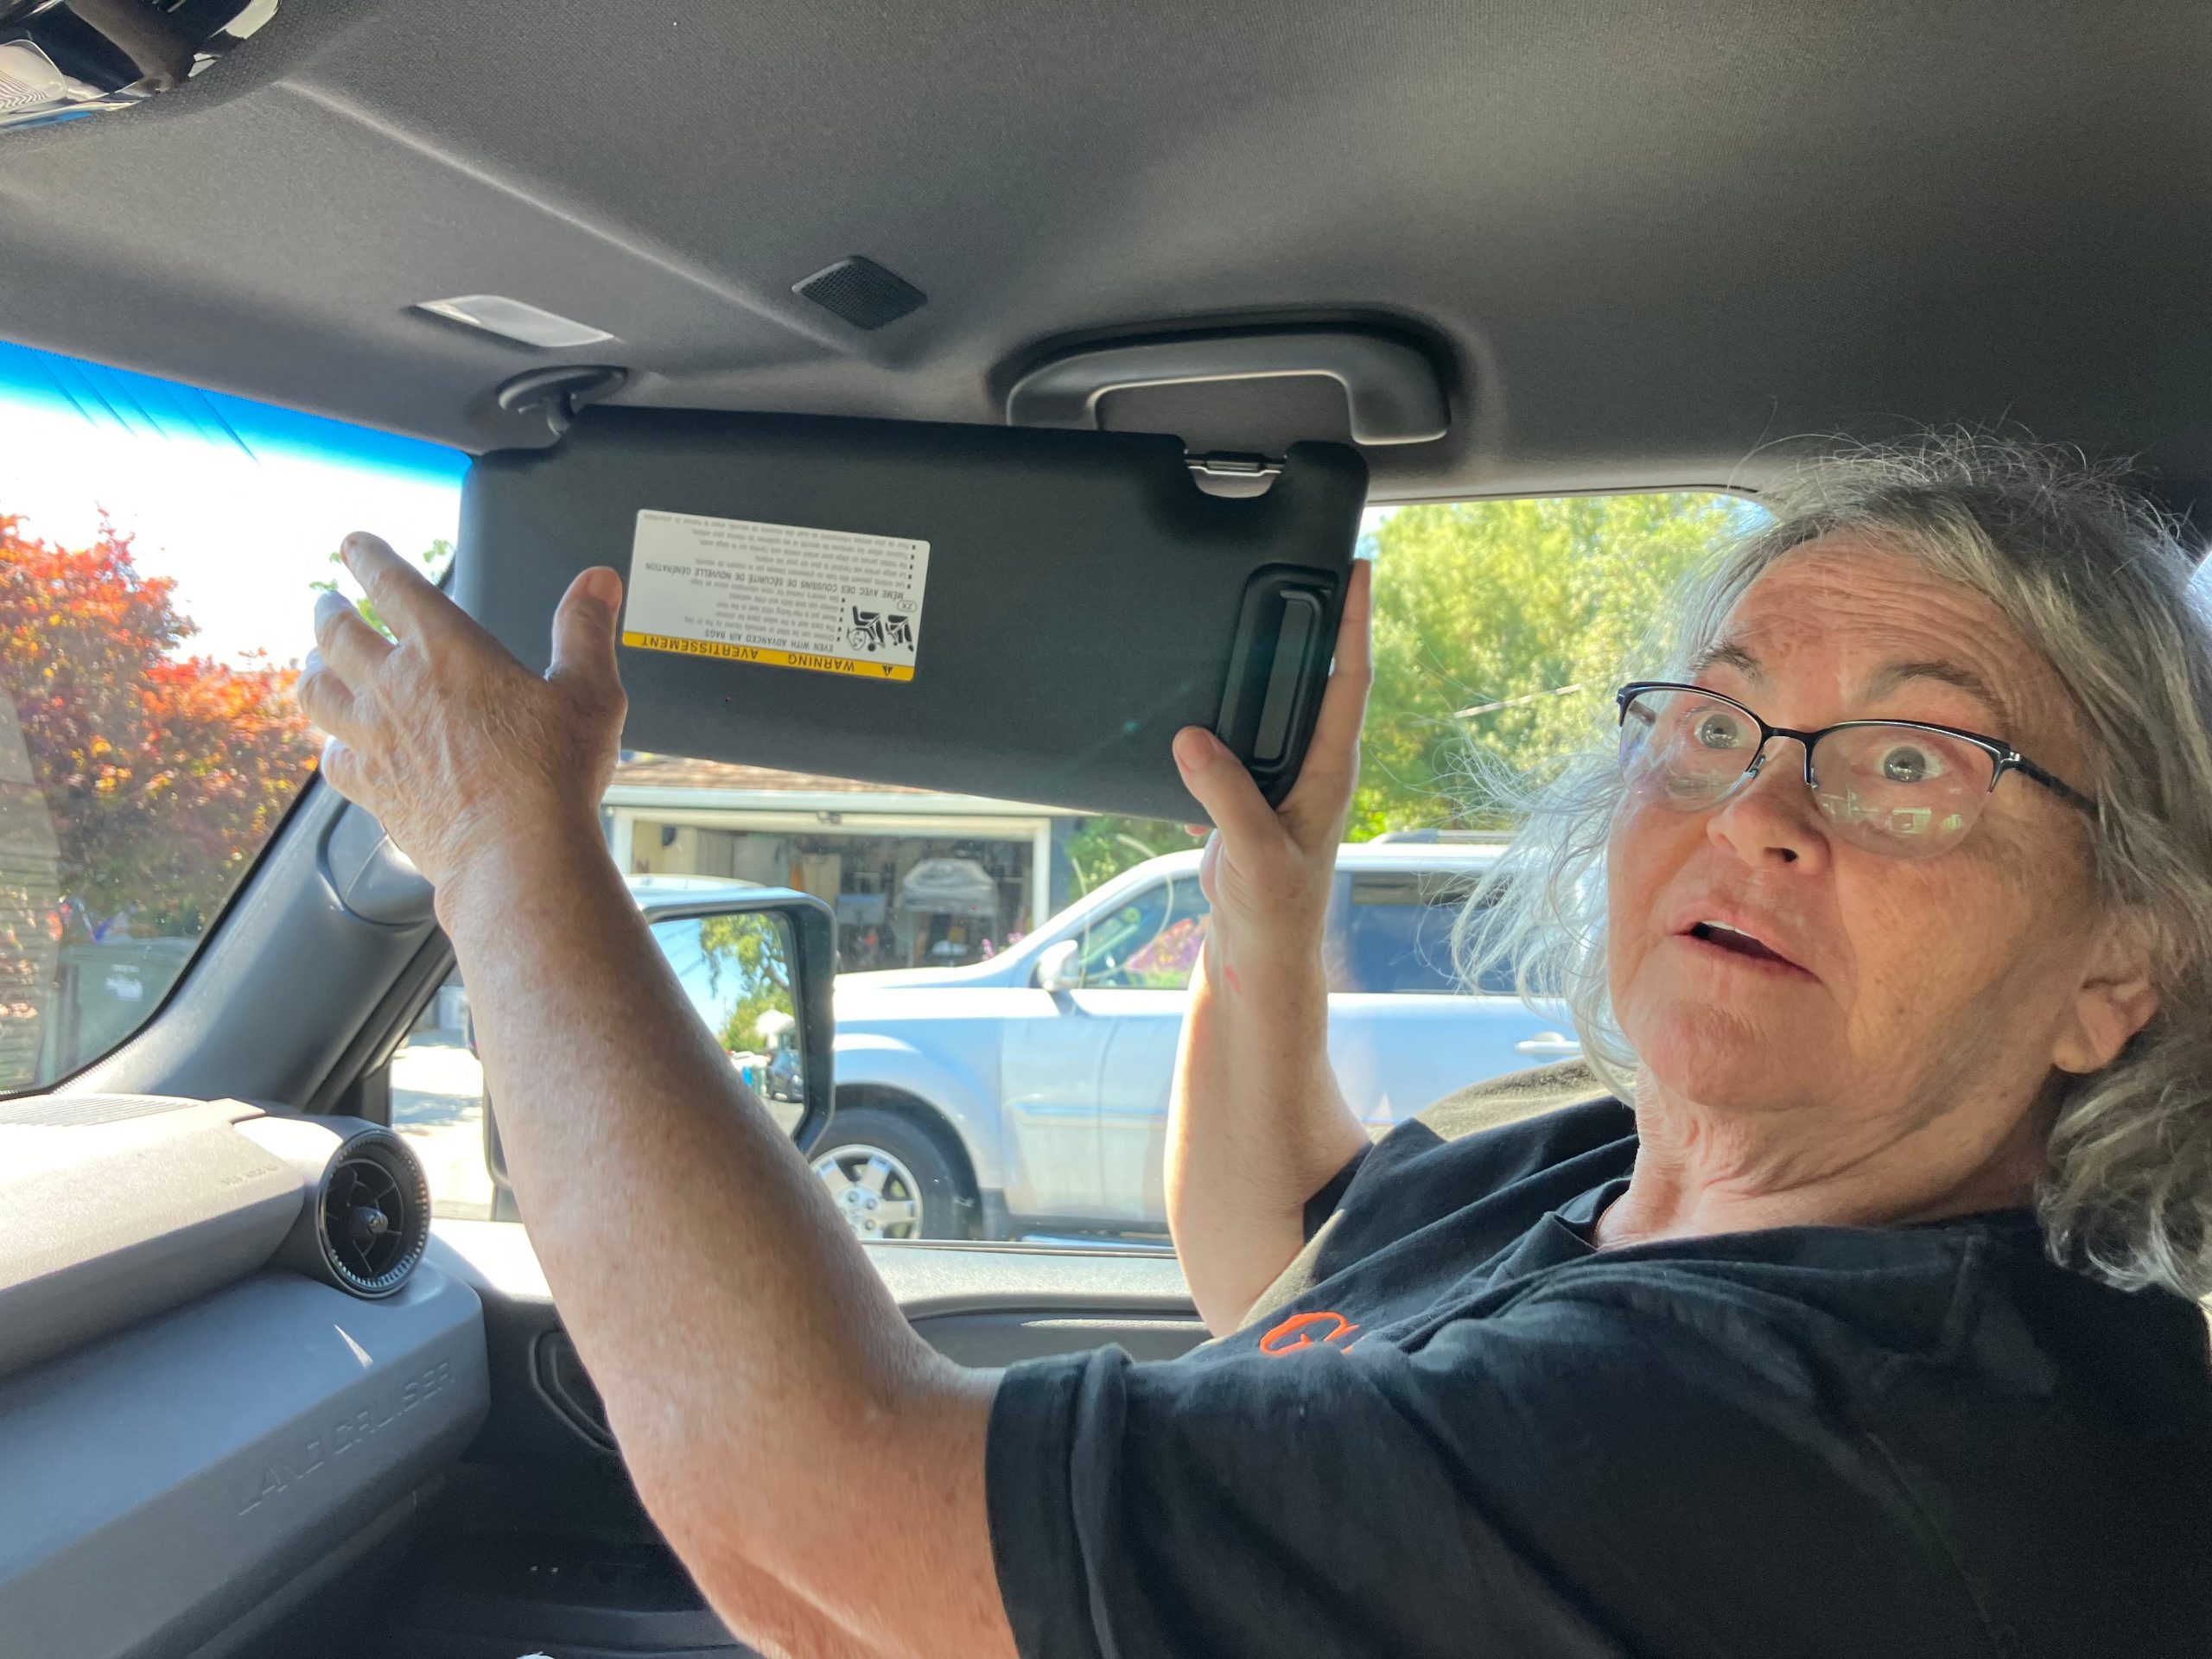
pixel 1716 729
pixel 1907 764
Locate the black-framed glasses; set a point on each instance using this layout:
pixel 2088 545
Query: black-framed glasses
pixel 1900 787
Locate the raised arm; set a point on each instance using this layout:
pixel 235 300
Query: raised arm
pixel 1256 1124
pixel 760 1380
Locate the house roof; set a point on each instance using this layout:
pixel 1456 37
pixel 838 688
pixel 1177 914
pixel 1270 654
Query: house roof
pixel 671 782
pixel 676 771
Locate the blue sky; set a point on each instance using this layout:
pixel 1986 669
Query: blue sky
pixel 242 503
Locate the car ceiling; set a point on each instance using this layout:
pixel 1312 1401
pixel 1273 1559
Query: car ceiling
pixel 1645 243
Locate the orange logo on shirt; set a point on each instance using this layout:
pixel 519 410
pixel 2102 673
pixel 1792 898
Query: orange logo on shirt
pixel 1303 1330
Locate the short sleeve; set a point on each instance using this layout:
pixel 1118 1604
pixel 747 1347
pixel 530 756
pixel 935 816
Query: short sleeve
pixel 1564 1481
pixel 1323 1205
pixel 1252 1506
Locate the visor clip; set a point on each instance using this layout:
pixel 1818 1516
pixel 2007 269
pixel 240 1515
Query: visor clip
pixel 557 394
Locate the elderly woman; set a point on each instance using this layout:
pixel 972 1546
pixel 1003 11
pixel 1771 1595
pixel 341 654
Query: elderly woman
pixel 1847 1308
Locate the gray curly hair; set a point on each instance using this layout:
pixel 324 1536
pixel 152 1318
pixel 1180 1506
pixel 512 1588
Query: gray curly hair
pixel 2097 580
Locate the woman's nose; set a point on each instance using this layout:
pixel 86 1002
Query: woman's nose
pixel 1771 815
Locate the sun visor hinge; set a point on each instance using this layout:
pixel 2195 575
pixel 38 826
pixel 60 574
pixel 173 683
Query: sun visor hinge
pixel 557 394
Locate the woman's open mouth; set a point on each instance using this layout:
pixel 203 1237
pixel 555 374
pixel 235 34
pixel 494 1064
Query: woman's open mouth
pixel 1715 938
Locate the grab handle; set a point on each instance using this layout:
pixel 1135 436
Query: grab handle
pixel 1391 389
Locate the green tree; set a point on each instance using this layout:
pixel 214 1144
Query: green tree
pixel 1501 628
pixel 434 562
pixel 750 948
pixel 1101 848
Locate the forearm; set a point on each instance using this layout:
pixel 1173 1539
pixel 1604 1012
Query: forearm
pixel 770 1401
pixel 753 1363
pixel 1256 1125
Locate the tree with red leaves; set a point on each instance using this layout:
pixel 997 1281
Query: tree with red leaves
pixel 136 783
pixel 163 774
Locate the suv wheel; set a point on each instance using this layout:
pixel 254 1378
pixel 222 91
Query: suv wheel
pixel 887 1176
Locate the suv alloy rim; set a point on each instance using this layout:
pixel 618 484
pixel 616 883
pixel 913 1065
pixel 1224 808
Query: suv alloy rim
pixel 875 1192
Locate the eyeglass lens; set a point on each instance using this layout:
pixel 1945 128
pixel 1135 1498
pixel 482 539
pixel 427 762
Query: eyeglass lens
pixel 1893 789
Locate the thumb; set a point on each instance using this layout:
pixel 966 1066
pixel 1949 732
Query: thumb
pixel 1219 782
pixel 584 634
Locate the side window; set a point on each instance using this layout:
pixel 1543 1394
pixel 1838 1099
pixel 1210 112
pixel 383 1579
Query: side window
pixel 437 1103
pixel 1392 934
pixel 158 547
pixel 1149 943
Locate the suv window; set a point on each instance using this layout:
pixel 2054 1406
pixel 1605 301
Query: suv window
pixel 1392 933
pixel 1149 944
pixel 157 546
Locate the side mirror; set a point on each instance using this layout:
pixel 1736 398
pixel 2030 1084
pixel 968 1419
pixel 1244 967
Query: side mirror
pixel 758 967
pixel 1060 967
pixel 757 964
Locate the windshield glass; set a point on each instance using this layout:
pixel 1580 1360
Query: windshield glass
pixel 158 546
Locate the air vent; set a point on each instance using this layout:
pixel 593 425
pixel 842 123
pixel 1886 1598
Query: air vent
pixel 374 1214
pixel 862 292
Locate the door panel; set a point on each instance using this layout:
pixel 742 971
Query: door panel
pixel 1137 961
pixel 1050 1068
pixel 1140 1071
pixel 540 1544
pixel 1393 1054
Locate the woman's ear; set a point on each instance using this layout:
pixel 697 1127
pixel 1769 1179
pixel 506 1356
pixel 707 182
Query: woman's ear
pixel 2118 995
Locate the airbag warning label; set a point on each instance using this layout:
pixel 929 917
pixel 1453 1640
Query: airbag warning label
pixel 783 596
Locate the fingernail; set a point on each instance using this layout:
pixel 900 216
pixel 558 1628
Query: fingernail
pixel 328 603
pixel 312 663
pixel 604 586
pixel 1194 748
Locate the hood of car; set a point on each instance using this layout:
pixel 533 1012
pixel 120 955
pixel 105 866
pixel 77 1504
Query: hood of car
pixel 854 989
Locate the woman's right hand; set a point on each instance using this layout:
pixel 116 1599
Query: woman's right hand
pixel 1256 1123
pixel 1267 870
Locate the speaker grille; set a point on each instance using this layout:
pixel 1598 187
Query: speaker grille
pixel 862 292
pixel 86 1111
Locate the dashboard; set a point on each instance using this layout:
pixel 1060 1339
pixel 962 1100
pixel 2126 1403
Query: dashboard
pixel 242 1374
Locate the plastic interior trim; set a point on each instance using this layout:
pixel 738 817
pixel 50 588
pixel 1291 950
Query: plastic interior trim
pixel 1392 390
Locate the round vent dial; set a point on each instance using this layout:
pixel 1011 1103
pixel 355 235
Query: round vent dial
pixel 375 1217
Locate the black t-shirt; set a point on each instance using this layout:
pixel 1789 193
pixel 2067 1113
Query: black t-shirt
pixel 1456 1427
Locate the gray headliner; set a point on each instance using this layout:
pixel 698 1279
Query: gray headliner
pixel 1647 240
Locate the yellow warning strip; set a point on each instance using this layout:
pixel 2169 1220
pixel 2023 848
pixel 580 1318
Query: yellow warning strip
pixel 769 659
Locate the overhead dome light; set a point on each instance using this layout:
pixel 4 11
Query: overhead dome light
pixel 495 314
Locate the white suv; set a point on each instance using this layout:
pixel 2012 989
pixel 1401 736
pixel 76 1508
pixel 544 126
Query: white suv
pixel 1027 1095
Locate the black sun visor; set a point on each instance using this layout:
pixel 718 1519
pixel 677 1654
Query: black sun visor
pixel 1030 615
